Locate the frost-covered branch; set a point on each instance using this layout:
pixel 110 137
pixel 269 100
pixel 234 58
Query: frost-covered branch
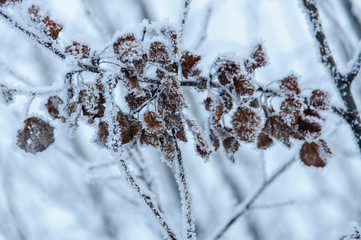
pixel 245 206
pixel 149 200
pixel 342 82
pixel 184 15
pixel 185 195
pixel 33 36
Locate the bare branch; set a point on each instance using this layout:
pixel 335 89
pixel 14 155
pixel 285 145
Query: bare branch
pixel 343 83
pixel 245 206
pixel 149 201
pixel 184 15
pixel 355 69
pixel 184 194
pixel 205 24
pixel 325 51
pixel 33 36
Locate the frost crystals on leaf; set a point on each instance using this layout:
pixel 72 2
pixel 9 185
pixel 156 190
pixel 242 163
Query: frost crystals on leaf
pixel 36 136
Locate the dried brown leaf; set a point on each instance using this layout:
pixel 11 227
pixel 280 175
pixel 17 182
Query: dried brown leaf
pixel 188 63
pixel 276 128
pixel 264 141
pixel 320 100
pixel 245 124
pixel 53 106
pixel 154 123
pixel 289 86
pixel 258 59
pixel 77 49
pixel 36 136
pixel 130 128
pixel 102 134
pixel 243 85
pixel 315 153
pixel 290 110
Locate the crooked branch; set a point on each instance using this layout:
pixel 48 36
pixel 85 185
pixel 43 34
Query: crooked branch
pixel 342 82
pixel 33 36
pixel 245 206
pixel 185 195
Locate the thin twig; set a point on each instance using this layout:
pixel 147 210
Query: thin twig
pixel 184 194
pixel 342 82
pixel 33 36
pixel 246 205
pixel 205 24
pixel 184 15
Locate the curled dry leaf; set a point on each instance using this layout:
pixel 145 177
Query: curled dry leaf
pixel 92 101
pixel 320 100
pixel 50 27
pixel 171 98
pixel 36 136
pixel 3 2
pixel 308 128
pixel 202 146
pixel 243 85
pixel 289 86
pixel 245 124
pixel 214 139
pixel 102 134
pixel 290 110
pixel 227 70
pixel 129 128
pixel 188 62
pixel 154 124
pixel 134 101
pixel 167 148
pixel 231 146
pixel 149 139
pixel 264 141
pixel 276 128
pixel 78 50
pixel 258 59
pixel 53 106
pixel 7 95
pixel 174 122
pixel 158 52
pixel 315 153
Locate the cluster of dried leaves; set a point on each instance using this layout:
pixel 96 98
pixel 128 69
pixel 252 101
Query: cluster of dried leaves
pixel 239 110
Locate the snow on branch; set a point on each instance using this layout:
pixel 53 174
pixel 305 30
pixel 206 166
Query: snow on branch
pixel 185 195
pixel 47 44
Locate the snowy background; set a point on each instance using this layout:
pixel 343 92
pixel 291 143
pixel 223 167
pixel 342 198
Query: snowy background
pixel 65 193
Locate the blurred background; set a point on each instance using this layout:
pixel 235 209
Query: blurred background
pixel 74 191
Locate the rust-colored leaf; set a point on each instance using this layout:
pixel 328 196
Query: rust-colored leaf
pixel 51 28
pixel 264 141
pixel 92 101
pixel 308 128
pixel 149 139
pixel 289 86
pixel 129 128
pixel 188 63
pixel 214 140
pixel 53 106
pixel 154 124
pixel 243 85
pixel 202 146
pixel 227 70
pixel 276 128
pixel 231 146
pixel 315 153
pixel 171 98
pixel 245 124
pixel 174 122
pixel 77 49
pixel 290 110
pixel 320 100
pixel 135 101
pixel 102 134
pixel 158 52
pixel 167 148
pixel 36 136
pixel 258 59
